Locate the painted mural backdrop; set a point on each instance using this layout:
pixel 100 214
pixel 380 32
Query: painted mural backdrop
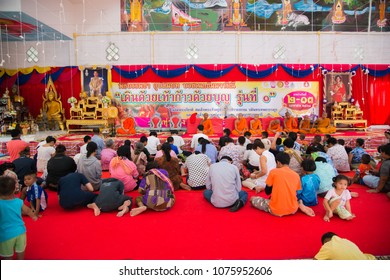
pixel 220 99
pixel 255 15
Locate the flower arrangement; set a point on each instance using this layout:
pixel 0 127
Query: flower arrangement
pixel 72 100
pixel 106 100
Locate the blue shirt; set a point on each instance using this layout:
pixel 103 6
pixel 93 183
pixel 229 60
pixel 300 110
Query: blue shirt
pixel 357 154
pixel 37 192
pixel 310 185
pixel 211 152
pixel 175 149
pixel 11 222
pixel 100 144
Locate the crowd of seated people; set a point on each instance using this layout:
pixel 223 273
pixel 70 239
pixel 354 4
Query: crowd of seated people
pixel 293 170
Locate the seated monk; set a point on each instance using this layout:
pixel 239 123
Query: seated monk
pixel 274 127
pixel 128 126
pixel 208 126
pixel 240 126
pixel 255 126
pixel 305 126
pixel 290 123
pixel 324 126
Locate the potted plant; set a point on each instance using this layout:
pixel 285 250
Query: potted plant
pixel 72 101
pixel 106 100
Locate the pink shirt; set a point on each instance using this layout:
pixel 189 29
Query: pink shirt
pixel 106 156
pixel 160 153
pixel 129 180
pixel 14 147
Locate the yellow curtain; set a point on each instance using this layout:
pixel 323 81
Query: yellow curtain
pixel 24 71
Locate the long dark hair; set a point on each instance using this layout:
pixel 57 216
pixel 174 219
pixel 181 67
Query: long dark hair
pixel 166 148
pixel 204 143
pixel 91 148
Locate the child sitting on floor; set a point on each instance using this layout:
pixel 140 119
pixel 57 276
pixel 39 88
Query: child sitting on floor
pixel 310 184
pixel 34 193
pixel 364 169
pixel 13 230
pixel 337 200
pixel 7 170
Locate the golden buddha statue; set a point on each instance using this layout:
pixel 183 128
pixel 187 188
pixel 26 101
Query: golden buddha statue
pixel 17 97
pixel 52 107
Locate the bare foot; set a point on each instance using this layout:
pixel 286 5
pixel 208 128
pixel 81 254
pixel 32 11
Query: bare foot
pixel 354 194
pixel 351 217
pixel 185 186
pixel 96 209
pixel 307 210
pixel 326 218
pixel 138 210
pixel 124 208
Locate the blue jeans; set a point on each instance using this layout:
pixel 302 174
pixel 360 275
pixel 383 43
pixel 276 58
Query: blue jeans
pixel 371 181
pixel 242 195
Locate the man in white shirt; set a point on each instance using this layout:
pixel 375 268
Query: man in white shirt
pixel 83 148
pixel 223 186
pixel 195 138
pixel 178 141
pixel 154 143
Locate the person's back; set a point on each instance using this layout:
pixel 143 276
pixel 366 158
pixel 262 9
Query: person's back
pixel 233 152
pixel 58 166
pixel 157 192
pixel 325 172
pixel 99 142
pixel 15 145
pixel 92 169
pixel 198 170
pixel 153 143
pixel 195 137
pixel 338 154
pixel 24 164
pixel 210 151
pixel 124 169
pixel 285 183
pixel 44 154
pixel 310 185
pixel 12 228
pixel 178 141
pixel 106 156
pixel 336 248
pixel 225 182
pixel 70 193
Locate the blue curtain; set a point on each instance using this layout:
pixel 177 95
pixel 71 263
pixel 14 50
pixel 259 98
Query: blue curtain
pixel 258 74
pixel 376 73
pixel 299 73
pixel 212 74
pixel 23 79
pixel 165 73
pixel 131 74
pixel 54 76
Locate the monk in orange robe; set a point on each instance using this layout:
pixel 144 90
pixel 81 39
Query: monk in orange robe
pixel 207 124
pixel 324 126
pixel 290 124
pixel 128 127
pixel 274 126
pixel 305 126
pixel 255 126
pixel 240 126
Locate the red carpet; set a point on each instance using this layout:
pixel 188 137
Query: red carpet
pixel 195 230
